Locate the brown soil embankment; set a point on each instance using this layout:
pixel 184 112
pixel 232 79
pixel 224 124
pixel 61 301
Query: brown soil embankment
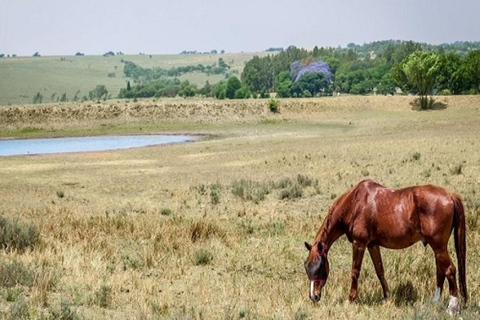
pixel 204 110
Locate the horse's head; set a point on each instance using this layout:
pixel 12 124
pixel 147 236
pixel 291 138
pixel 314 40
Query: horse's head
pixel 317 269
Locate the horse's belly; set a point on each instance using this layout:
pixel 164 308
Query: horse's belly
pixel 394 240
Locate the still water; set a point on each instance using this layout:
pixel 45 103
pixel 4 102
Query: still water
pixel 84 144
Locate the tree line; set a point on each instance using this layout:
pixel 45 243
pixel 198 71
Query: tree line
pixel 376 71
pixel 140 74
pixel 381 67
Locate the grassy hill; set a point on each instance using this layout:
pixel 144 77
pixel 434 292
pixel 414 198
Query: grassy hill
pixel 23 77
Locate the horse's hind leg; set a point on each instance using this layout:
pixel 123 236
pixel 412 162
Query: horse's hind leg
pixel 377 263
pixel 446 269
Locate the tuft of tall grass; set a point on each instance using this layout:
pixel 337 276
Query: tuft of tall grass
pixel 202 230
pixel 202 257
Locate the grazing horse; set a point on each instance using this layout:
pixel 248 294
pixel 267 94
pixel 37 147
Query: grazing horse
pixel 371 215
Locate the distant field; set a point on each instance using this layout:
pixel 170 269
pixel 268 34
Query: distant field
pixel 214 229
pixel 23 77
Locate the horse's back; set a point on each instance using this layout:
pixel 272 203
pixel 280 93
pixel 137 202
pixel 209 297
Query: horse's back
pixel 397 218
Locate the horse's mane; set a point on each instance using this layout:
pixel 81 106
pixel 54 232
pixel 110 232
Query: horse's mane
pixel 334 214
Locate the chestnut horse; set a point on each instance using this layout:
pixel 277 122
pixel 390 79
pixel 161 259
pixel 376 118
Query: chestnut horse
pixel 371 215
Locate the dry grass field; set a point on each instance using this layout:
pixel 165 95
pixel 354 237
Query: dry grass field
pixel 214 229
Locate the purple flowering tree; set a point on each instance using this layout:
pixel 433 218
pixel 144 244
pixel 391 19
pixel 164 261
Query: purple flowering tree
pixel 298 69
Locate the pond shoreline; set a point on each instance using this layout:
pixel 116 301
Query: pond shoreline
pixel 89 143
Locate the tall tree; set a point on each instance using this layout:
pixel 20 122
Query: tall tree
pixel 421 70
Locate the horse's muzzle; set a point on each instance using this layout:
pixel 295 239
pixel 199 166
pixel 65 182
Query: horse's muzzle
pixel 315 291
pixel 315 298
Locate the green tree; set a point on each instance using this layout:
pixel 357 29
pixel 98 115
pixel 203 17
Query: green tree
pixel 421 70
pixel 233 84
pixel 242 93
pixel 473 68
pixel 219 90
pixel 207 90
pixel 257 74
pixel 100 92
pixel 188 90
pixel 453 76
pixel 38 98
pixel 312 82
pixel 283 84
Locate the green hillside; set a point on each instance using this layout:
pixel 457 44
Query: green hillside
pixel 23 77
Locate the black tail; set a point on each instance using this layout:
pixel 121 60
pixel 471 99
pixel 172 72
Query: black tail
pixel 460 244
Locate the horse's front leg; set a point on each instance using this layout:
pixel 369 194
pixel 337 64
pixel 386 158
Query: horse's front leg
pixel 377 263
pixel 358 251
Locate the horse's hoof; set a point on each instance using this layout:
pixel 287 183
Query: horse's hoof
pixel 453 306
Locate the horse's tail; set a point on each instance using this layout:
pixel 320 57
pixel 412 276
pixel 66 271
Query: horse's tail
pixel 460 243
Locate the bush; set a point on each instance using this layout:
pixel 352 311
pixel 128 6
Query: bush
pixel 166 211
pixel 15 273
pixel 273 105
pixel 456 170
pixel 294 191
pixel 17 236
pixel 215 190
pixel 250 190
pixel 416 156
pixel 103 297
pixel 19 309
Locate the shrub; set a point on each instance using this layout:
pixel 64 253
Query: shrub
pixel 166 211
pixel 103 296
pixel 15 273
pixel 294 191
pixel 456 170
pixel 19 309
pixel 17 236
pixel 215 190
pixel 304 181
pixel 66 312
pixel 274 105
pixel 250 190
pixel 426 173
pixel 416 156
pixel 202 257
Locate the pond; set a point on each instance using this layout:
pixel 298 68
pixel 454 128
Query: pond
pixel 85 144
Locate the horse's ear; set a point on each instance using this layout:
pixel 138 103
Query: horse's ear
pixel 308 246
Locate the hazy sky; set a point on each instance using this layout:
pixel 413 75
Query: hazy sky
pixel 64 27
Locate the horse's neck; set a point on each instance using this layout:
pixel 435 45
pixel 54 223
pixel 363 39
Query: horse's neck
pixel 331 229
